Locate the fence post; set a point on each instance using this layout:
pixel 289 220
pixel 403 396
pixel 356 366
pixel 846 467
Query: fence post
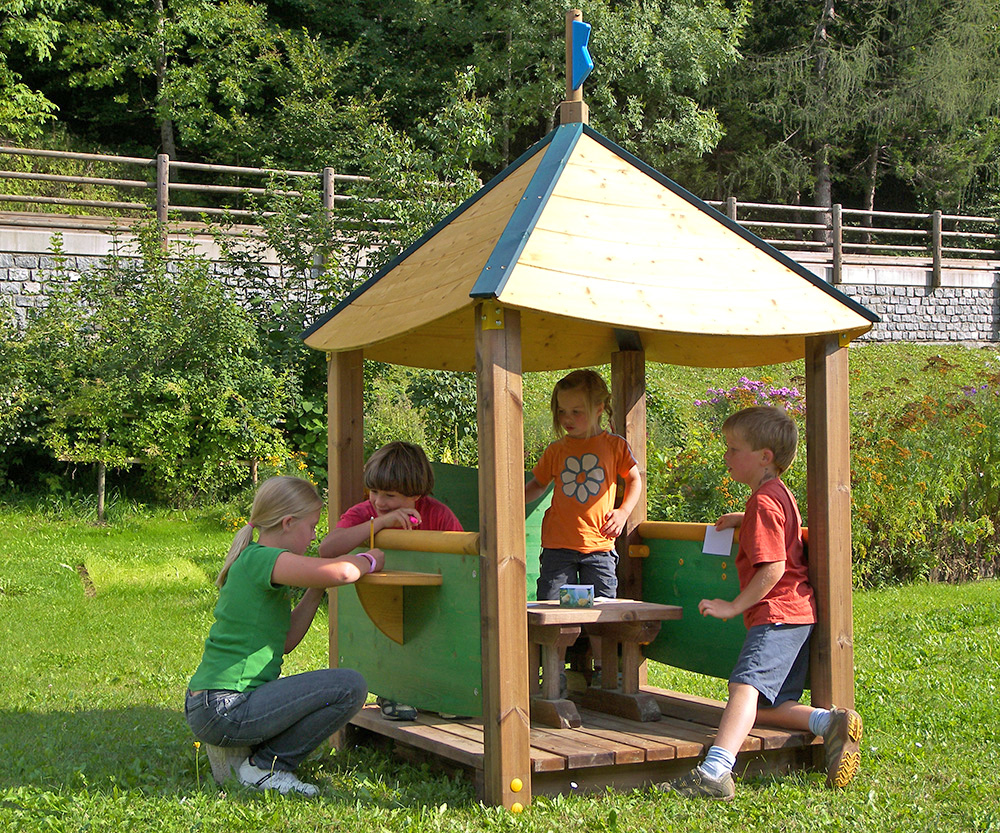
pixel 329 192
pixel 731 208
pixel 837 244
pixel 936 250
pixel 162 194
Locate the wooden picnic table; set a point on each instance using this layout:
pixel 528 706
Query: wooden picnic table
pixel 624 626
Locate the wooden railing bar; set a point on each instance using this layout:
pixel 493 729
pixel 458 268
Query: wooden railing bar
pixel 62 154
pixel 71 201
pixel 77 180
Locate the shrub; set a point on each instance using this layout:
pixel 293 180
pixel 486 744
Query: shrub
pixel 146 359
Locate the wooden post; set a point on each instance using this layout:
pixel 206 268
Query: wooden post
pixel 162 195
pixel 329 195
pixel 574 109
pixel 503 598
pixel 345 454
pixel 101 475
pixel 628 395
pixel 837 245
pixel 731 208
pixel 828 477
pixel 936 250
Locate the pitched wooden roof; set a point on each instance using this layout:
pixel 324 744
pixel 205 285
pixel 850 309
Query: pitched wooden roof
pixel 598 251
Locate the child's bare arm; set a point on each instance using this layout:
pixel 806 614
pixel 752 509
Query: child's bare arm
pixel 764 578
pixel 344 539
pixel 614 521
pixel 302 571
pixel 731 519
pixel 533 490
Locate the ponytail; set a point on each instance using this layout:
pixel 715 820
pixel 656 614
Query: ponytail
pixel 242 540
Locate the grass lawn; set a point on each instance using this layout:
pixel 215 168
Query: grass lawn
pixel 93 738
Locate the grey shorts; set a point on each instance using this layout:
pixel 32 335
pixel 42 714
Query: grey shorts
pixel 558 567
pixel 775 661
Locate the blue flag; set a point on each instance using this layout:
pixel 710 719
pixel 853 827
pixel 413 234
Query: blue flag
pixel 582 63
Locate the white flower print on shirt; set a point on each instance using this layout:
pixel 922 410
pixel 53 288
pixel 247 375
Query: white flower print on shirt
pixel 582 477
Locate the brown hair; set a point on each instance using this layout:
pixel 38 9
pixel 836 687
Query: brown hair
pixel 766 427
pixel 400 467
pixel 276 499
pixel 593 386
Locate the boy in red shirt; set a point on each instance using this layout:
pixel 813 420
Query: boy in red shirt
pixel 779 610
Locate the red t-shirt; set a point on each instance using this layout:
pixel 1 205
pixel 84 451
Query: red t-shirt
pixel 433 515
pixel 772 531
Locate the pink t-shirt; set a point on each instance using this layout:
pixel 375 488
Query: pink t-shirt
pixel 433 515
pixel 772 531
pixel 586 472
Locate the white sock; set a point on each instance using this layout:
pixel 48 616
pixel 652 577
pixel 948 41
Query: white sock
pixel 717 763
pixel 819 721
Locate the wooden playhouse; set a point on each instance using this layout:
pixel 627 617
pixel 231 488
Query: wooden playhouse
pixel 577 255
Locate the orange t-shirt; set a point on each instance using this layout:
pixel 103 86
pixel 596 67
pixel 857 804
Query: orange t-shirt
pixel 586 473
pixel 772 531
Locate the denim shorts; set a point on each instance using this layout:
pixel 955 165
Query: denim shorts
pixel 775 661
pixel 561 566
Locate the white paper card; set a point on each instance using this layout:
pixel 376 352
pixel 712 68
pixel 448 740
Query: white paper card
pixel 718 542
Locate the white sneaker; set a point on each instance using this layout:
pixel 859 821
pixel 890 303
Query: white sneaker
pixel 277 779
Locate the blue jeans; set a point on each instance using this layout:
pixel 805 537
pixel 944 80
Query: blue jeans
pixel 560 566
pixel 281 721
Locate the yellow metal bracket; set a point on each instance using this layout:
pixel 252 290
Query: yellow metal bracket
pixel 492 317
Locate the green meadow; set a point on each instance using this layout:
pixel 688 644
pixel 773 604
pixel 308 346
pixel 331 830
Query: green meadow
pixel 102 627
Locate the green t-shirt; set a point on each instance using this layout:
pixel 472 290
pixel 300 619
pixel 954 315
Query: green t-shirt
pixel 246 644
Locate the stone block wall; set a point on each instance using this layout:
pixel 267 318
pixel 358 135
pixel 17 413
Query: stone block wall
pixel 966 307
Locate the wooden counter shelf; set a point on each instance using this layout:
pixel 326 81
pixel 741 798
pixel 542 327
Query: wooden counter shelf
pixel 381 595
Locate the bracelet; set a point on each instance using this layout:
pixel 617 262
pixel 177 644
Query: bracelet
pixel 371 560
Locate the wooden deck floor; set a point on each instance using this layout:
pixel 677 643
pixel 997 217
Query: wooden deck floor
pixel 604 751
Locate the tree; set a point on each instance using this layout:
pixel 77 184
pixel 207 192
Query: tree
pixel 28 31
pixel 650 60
pixel 146 359
pixel 840 95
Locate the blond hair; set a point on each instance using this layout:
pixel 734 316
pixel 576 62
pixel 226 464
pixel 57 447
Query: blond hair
pixel 594 388
pixel 276 499
pixel 766 427
pixel 399 467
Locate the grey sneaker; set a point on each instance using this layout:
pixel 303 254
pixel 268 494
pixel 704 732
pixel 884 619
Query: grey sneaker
pixel 698 785
pixel 391 710
pixel 225 760
pixel 842 745
pixel 274 779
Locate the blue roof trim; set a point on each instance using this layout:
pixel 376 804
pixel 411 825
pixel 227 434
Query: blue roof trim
pixel 482 192
pixel 732 225
pixel 508 248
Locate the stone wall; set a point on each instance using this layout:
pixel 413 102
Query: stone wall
pixel 966 307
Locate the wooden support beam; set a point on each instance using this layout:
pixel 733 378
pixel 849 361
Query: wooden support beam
pixel 829 503
pixel 345 450
pixel 503 598
pixel 628 399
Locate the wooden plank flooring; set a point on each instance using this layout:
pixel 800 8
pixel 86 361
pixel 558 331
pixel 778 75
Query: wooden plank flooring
pixel 605 751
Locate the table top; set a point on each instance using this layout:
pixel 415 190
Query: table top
pixel 604 610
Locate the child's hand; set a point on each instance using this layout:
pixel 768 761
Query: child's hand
pixel 379 557
pixel 400 519
pixel 717 608
pixel 614 523
pixel 730 520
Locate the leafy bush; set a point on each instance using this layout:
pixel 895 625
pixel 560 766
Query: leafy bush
pixel 925 458
pixel 147 359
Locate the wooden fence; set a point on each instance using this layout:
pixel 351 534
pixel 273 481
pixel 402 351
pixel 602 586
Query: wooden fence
pixel 836 234
pixel 49 199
